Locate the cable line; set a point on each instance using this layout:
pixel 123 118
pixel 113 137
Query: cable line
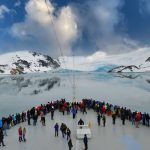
pixel 73 84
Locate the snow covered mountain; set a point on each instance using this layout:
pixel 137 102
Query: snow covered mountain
pixel 135 61
pixel 26 62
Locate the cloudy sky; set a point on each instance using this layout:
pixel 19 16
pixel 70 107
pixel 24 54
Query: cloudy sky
pixel 82 27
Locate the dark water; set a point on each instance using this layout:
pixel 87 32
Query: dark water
pixel 18 93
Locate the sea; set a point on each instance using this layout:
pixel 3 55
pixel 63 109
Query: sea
pixel 21 92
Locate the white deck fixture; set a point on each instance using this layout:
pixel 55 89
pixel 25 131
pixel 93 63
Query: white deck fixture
pixel 82 130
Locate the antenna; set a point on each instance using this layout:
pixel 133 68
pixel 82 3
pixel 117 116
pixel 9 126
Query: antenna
pixel 74 83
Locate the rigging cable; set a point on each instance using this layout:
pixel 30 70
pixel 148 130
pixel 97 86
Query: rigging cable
pixel 61 52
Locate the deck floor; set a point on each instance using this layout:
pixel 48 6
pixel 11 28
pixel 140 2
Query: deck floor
pixel 111 137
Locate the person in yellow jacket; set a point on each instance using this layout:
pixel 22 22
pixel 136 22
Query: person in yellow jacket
pixel 24 134
pixel 90 124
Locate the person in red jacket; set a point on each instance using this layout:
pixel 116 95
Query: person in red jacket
pixel 20 134
pixel 138 119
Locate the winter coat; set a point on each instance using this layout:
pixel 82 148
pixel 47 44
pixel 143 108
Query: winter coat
pixel 20 131
pixel 1 135
pixel 85 140
pixel 70 143
pixel 56 127
pixel 24 131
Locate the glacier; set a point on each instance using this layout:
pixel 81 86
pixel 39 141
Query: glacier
pixel 100 61
pixel 135 61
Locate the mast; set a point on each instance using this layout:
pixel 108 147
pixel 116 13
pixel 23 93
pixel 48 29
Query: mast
pixel 74 83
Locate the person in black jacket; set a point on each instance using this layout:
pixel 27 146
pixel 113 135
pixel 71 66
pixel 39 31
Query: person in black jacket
pixel 68 133
pixel 28 117
pixel 99 119
pixel 104 120
pixel 70 144
pixel 123 118
pixel 52 113
pixel 80 122
pixel 1 137
pixel 85 141
pixel 113 118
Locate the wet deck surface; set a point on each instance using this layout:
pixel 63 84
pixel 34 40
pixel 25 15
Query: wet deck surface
pixel 111 137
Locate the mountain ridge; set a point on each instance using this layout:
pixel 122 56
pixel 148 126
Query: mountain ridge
pixel 26 62
pixel 20 62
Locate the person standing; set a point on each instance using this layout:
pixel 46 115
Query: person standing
pixel 104 120
pixel 20 134
pixel 5 128
pixel 80 122
pixel 147 119
pixel 123 117
pixel 84 109
pixel 113 118
pixel 99 119
pixel 56 129
pixel 63 129
pixel 85 141
pixel 35 118
pixel 74 112
pixel 42 118
pixel 1 137
pixel 52 113
pixel 68 133
pixel 70 145
pixel 24 134
pixel 28 117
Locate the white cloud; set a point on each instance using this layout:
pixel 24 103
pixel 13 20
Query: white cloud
pixel 41 24
pixel 144 6
pixel 18 3
pixel 107 14
pixel 95 21
pixel 3 10
pixel 100 20
pixel 66 26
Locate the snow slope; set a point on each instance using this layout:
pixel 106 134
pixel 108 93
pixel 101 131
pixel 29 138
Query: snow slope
pixel 26 62
pixel 138 60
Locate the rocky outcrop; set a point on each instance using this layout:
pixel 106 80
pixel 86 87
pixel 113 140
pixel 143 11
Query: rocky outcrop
pixel 124 69
pixel 148 60
pixel 17 70
pixel 2 68
pixel 26 62
pixel 144 67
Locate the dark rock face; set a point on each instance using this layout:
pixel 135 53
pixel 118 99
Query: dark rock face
pixel 2 68
pixel 148 81
pixel 112 70
pixel 43 63
pixel 21 63
pixel 1 71
pixel 3 65
pixel 122 68
pixel 48 62
pixel 17 70
pixel 148 60
pixel 21 66
pixel 35 54
pixel 24 62
pixel 52 61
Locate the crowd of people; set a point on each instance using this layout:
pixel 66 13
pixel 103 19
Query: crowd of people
pixel 101 108
pixel 66 132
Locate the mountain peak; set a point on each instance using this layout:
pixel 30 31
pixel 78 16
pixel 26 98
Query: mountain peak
pixel 26 62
